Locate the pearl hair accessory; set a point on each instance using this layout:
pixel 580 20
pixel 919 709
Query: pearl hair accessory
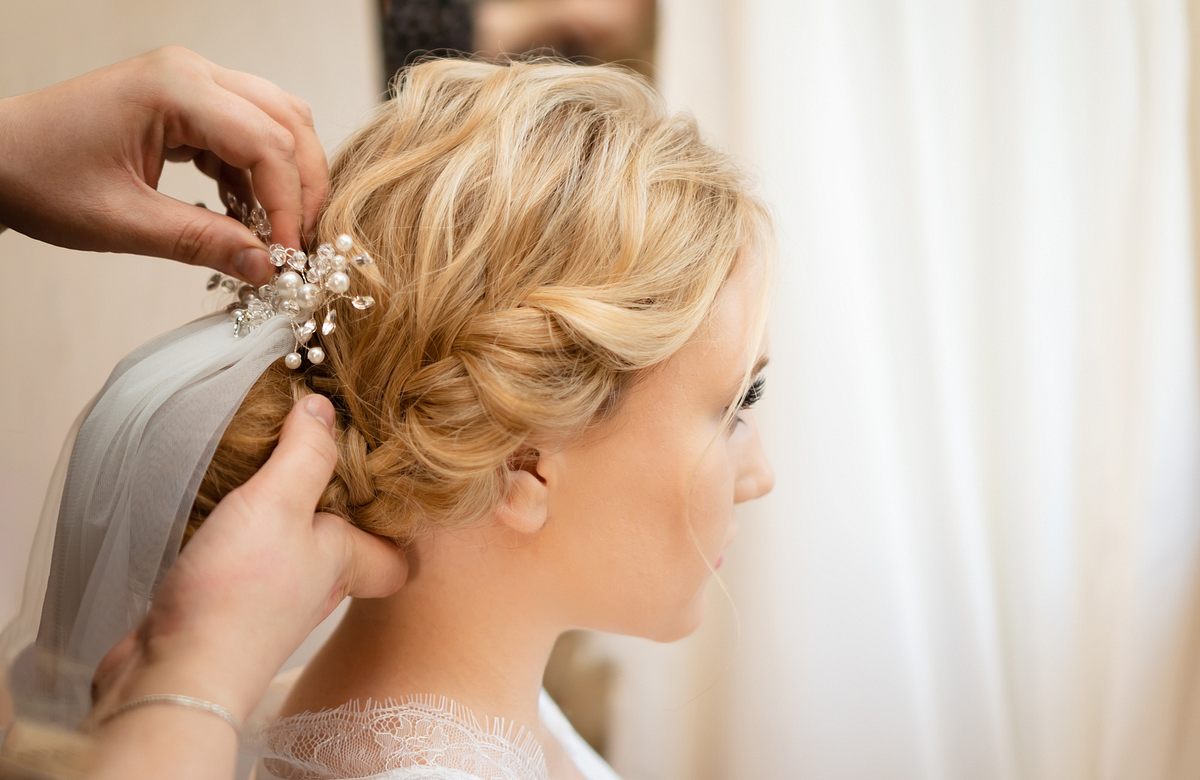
pixel 303 284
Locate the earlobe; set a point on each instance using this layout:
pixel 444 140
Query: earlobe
pixel 525 507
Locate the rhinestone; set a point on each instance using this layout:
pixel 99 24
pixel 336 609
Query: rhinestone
pixel 325 251
pixel 307 329
pixel 213 282
pixel 228 285
pixel 297 261
pixel 361 302
pixel 363 259
pixel 330 323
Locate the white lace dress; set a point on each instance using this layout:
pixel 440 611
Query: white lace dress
pixel 419 738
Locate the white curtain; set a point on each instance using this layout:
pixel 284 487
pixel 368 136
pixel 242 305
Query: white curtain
pixel 982 559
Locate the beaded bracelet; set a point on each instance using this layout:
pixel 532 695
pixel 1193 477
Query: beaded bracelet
pixel 174 698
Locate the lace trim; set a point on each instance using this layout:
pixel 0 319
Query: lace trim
pixel 364 738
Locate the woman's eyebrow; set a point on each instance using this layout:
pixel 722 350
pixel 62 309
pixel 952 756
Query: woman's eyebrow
pixel 759 365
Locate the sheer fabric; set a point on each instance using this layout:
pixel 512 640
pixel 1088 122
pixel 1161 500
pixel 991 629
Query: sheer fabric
pixel 116 509
pixel 427 737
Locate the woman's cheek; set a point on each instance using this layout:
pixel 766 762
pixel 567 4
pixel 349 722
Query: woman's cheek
pixel 710 511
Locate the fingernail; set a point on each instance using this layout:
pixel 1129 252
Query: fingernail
pixel 251 264
pixel 318 406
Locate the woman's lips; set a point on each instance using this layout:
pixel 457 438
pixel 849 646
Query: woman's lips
pixel 724 547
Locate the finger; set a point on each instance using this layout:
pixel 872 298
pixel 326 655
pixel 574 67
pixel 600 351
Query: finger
pixel 112 662
pixel 375 567
pixel 166 227
pixel 230 180
pixel 295 115
pixel 180 154
pixel 294 477
pixel 244 136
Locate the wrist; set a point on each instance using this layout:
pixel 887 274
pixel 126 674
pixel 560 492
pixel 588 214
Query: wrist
pixel 166 666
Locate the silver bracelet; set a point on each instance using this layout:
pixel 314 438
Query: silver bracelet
pixel 175 698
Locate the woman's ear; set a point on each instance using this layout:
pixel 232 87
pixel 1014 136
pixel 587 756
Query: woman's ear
pixel 525 505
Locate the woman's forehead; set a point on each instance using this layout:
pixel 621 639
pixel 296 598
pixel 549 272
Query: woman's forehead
pixel 728 340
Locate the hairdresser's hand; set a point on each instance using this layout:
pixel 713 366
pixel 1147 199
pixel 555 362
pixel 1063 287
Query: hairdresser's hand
pixel 80 161
pixel 256 578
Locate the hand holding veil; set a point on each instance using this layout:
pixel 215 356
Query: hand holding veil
pixel 261 552
pixel 259 578
pixel 256 579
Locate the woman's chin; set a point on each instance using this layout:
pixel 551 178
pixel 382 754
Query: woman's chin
pixel 675 624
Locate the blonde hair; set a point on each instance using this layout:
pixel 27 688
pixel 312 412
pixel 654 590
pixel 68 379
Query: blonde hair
pixel 543 234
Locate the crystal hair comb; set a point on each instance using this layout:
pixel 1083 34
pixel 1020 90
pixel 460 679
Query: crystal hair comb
pixel 303 285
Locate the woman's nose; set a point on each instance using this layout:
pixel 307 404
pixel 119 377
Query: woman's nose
pixel 755 476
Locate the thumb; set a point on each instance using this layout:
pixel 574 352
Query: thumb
pixel 290 483
pixel 376 568
pixel 166 227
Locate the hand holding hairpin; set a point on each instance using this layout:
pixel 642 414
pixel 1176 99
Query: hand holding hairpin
pixel 303 285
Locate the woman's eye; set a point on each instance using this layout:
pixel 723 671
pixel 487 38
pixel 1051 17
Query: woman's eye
pixel 753 395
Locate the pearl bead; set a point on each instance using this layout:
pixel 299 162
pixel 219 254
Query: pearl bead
pixel 316 355
pixel 344 243
pixel 309 293
pixel 338 282
pixel 288 280
pixel 292 360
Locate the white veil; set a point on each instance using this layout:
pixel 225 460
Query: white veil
pixel 118 503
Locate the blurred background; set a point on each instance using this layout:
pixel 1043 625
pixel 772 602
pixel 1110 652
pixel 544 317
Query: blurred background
pixel 982 557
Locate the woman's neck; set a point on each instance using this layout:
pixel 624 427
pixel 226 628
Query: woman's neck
pixel 460 627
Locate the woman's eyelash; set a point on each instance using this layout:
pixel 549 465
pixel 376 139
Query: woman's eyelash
pixel 753 393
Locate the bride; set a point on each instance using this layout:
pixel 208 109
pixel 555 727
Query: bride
pixel 547 404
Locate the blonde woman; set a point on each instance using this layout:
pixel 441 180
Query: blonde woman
pixel 543 379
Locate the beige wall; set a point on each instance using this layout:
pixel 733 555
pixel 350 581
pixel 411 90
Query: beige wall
pixel 69 316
